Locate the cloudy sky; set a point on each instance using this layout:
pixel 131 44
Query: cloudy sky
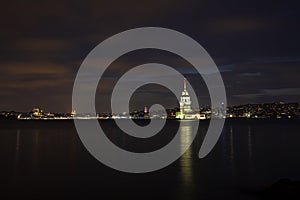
pixel 255 45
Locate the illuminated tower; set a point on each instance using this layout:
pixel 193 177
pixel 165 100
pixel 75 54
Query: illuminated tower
pixel 145 109
pixel 146 113
pixel 185 100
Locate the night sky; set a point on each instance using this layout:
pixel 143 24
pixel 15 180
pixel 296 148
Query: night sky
pixel 255 45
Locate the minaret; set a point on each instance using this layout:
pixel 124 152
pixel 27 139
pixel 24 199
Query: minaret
pixel 145 109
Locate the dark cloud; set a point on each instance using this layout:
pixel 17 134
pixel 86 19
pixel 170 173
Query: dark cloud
pixel 279 94
pixel 20 69
pixel 251 74
pixel 255 44
pixel 39 45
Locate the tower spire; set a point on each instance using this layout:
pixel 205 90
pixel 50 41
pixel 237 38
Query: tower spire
pixel 184 84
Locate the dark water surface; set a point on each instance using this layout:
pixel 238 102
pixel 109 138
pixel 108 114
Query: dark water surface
pixel 46 160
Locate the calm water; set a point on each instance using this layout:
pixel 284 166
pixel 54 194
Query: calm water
pixel 46 160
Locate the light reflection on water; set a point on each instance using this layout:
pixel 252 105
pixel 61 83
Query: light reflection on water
pixel 248 154
pixel 17 154
pixel 250 149
pixel 35 150
pixel 231 147
pixel 186 168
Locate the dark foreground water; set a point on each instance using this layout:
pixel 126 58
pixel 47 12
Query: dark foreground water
pixel 46 160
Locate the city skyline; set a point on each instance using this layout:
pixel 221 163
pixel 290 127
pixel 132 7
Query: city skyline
pixel 276 110
pixel 194 99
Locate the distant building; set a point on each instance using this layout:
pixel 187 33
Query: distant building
pixel 37 112
pixel 146 113
pixel 73 113
pixel 145 109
